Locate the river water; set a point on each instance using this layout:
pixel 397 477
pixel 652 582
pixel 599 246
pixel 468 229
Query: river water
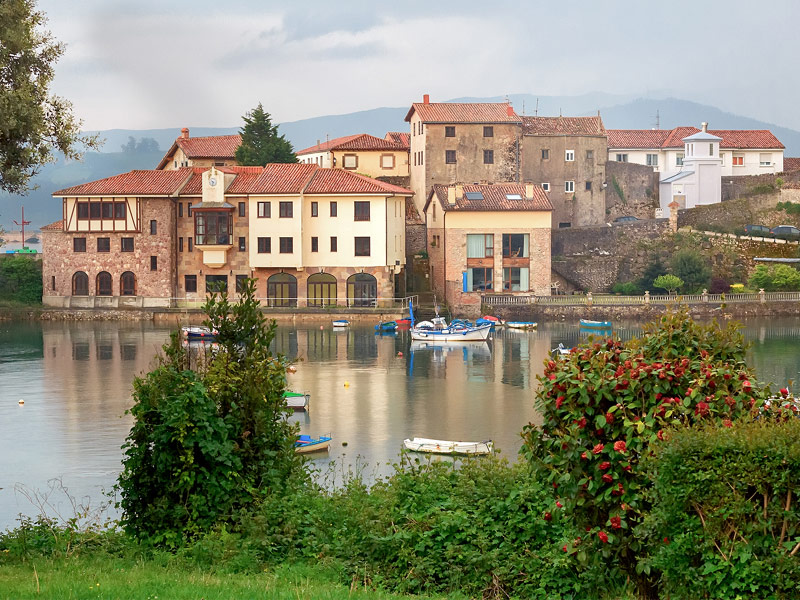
pixel 369 391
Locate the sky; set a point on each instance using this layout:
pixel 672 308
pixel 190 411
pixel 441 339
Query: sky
pixel 154 64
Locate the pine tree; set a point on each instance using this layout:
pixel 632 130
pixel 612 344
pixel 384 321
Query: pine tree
pixel 261 143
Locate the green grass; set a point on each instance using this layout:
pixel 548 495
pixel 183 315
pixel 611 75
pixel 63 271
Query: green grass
pixel 123 578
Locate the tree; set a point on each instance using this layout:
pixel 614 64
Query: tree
pixel 668 282
pixel 261 143
pixel 693 268
pixel 33 122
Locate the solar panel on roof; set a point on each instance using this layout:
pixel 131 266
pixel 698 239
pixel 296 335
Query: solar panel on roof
pixel 474 195
pixel 513 197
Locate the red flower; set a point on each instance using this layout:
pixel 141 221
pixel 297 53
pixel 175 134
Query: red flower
pixel 581 423
pixel 627 468
pixel 746 384
pixel 666 540
pixel 608 478
pixel 547 516
pixel 604 465
pixel 689 391
pixel 564 548
pixel 620 447
pixel 583 456
pixel 727 422
pixel 784 392
pixel 726 376
pixel 609 418
pixel 559 505
pixel 701 409
pixel 603 536
pixel 559 401
pixel 598 449
pixel 552 376
pixel 616 522
pixel 659 395
pixel 660 434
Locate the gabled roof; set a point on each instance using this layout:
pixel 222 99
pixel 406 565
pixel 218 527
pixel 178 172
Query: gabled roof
pixel 55 226
pixel 361 141
pixel 339 181
pixel 464 112
pixel 132 183
pixel 214 146
pixel 492 197
pixel 636 138
pixel 619 139
pixel 791 164
pixel 399 137
pixel 194 187
pixel 286 178
pixel 563 126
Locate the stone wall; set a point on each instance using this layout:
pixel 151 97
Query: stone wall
pixel 639 187
pixel 735 214
pixel 605 239
pixel 747 185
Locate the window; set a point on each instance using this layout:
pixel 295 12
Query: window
pixel 190 283
pixel 480 245
pixel 264 210
pixel 264 245
pixel 126 244
pixel 569 186
pixel 765 160
pixel 387 161
pixel 334 210
pixel 362 246
pixel 322 290
pixel 622 158
pixel 564 225
pixel 285 210
pixel 242 244
pixel 217 283
pixel 315 244
pixel 287 245
pixel 488 131
pixel 488 157
pixel 515 279
pixel 83 210
pixel 127 284
pixel 188 209
pixel 120 210
pixel 545 154
pixel 738 161
pixel 154 263
pixel 108 210
pixel 435 241
pixel 189 241
pixel 95 210
pixel 569 155
pixel 180 244
pixel 546 186
pixel 52 282
pixel 450 157
pixel 349 161
pixel 679 160
pixel 212 228
pixel 104 244
pixel 80 284
pixel 79 244
pixel 449 131
pixel 180 209
pixel 242 209
pixel 590 155
pixel 103 284
pixel 361 209
pixel 711 149
pixel 315 209
pixel 652 160
pixel 362 290
pixel 588 186
pixel 240 280
pixel 515 245
pixel 479 279
pixel 334 244
pixel 282 290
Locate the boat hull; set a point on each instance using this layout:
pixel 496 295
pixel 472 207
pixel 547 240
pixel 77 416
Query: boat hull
pixel 341 323
pixel 586 324
pixel 521 324
pixel 297 401
pixel 198 333
pixel 467 334
pixel 430 446
pixel 315 445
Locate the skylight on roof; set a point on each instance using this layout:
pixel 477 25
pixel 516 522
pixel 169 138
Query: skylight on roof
pixel 513 197
pixel 474 195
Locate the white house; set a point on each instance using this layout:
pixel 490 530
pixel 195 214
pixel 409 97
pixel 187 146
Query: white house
pixel 699 180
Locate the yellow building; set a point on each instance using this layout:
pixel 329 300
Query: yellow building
pixel 362 153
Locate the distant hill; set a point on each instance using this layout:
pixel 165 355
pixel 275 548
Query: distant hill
pixel 618 112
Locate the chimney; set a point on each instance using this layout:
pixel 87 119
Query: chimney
pixel 185 133
pixel 459 190
pixel 510 110
pixel 451 194
pixel 704 126
pixel 528 190
pixel 426 99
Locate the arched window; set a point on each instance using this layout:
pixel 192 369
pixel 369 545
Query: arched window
pixel 80 284
pixel 282 290
pixel 322 290
pixel 127 284
pixel 103 284
pixel 362 290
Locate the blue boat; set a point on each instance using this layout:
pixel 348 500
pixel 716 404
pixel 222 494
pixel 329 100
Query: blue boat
pixel 341 323
pixel 587 324
pixel 386 326
pixel 306 443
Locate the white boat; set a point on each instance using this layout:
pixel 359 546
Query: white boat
pixel 560 350
pixel 589 324
pixel 439 348
pixel 521 324
pixel 448 446
pixel 341 323
pixel 296 400
pixel 306 444
pixel 439 330
pixel 198 332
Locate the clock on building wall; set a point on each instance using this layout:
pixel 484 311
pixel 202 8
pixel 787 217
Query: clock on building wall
pixel 212 181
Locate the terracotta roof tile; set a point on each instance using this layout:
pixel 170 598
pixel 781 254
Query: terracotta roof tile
pixel 132 183
pixel 400 137
pixel 673 138
pixel 495 198
pixel 55 226
pixel 562 126
pixel 339 181
pixel 280 178
pixel 362 141
pixel 636 138
pixel 791 164
pixel 213 146
pixel 468 112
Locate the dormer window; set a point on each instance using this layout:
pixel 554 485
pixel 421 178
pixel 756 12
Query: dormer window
pixel 212 227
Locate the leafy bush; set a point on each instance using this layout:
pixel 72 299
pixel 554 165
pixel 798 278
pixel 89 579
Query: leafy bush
pixel 607 402
pixel 719 286
pixel 693 268
pixel 668 282
pixel 725 509
pixel 775 278
pixel 629 288
pixel 21 279
pixel 653 269
pixel 792 208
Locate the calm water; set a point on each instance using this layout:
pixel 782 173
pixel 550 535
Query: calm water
pixel 369 391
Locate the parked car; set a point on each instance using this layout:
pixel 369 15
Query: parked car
pixel 786 232
pixel 757 230
pixel 625 219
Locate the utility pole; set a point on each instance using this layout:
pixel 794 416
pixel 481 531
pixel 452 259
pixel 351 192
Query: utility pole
pixel 22 224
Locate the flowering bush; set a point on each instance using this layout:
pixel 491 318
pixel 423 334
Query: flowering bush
pixel 607 401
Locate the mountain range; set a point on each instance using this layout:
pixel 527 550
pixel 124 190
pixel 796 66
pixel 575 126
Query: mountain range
pixel 617 111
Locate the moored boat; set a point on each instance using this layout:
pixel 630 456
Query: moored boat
pixel 198 332
pixel 448 447
pixel 438 329
pixel 521 324
pixel 386 326
pixel 296 400
pixel 588 324
pixel 341 323
pixel 306 444
pixel 560 350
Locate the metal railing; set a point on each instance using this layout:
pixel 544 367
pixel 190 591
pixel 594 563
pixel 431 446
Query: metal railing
pixel 613 300
pixel 303 302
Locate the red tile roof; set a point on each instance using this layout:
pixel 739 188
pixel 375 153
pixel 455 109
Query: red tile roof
pixel 289 178
pixel 563 126
pixel 339 181
pixel 132 183
pixel 400 137
pixel 55 226
pixel 791 164
pixel 243 174
pixel 214 146
pixel 495 198
pixel 362 141
pixel 468 112
pixel 673 138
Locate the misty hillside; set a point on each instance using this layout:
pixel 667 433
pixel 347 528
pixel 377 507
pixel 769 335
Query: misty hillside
pixel 618 112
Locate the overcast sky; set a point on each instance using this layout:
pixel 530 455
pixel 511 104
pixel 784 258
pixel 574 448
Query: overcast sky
pixel 151 64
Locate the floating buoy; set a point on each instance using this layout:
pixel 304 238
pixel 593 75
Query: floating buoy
pixel 399 354
pixel 21 402
pixel 321 327
pixel 346 384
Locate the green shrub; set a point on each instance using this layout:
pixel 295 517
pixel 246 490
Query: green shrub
pixel 725 510
pixel 775 278
pixel 21 279
pixel 693 268
pixel 629 288
pixel 792 208
pixel 668 282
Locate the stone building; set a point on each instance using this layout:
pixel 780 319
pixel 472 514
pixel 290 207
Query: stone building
pixel 361 153
pixel 488 239
pixel 567 157
pixel 215 150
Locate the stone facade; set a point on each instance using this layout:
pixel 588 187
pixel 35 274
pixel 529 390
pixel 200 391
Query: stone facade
pixel 632 189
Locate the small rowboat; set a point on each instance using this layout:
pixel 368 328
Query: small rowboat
pixel 561 350
pixel 587 324
pixel 340 323
pixel 448 447
pixel 521 324
pixel 305 444
pixel 403 322
pixel 296 400
pixel 386 326
pixel 198 332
